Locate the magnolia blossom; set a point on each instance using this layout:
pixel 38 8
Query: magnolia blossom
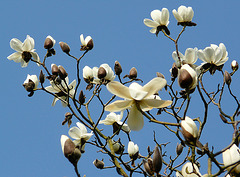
pixel 109 74
pixel 61 90
pixel 231 156
pixel 190 57
pixel 188 170
pixel 87 43
pixel 32 80
pixel 184 14
pixel 25 51
pixel 88 74
pixel 80 135
pixel 187 77
pixel 136 95
pixel 133 149
pixel 189 129
pixel 160 21
pixel 115 118
pixel 213 57
pixel 49 42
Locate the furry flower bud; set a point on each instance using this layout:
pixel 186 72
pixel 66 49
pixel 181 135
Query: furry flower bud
pixel 54 69
pixel 157 160
pixel 49 42
pixel 179 149
pixel 187 77
pixel 62 72
pixel 98 163
pixel 133 73
pixel 117 68
pixel 227 78
pixel 65 47
pixel 234 65
pixel 189 130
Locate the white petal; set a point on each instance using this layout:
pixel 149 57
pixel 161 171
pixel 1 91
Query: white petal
pixel 119 90
pixel 156 15
pixel 82 40
pixel 164 17
pixel 35 56
pixel 154 30
pixel 17 57
pixel 201 55
pixel 135 119
pixel 27 45
pixel 190 56
pixel 177 16
pixel 154 86
pixel 155 103
pixel 150 23
pixel 16 44
pixel 189 14
pixel 54 101
pixel 24 64
pixel 136 91
pixel 209 54
pixel 82 128
pixel 87 39
pixel 51 89
pixel 119 105
pixel 75 133
pixel 63 139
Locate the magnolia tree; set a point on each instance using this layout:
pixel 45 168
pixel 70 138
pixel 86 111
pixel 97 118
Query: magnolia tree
pixel 129 103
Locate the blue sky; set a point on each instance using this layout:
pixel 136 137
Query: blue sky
pixel 31 129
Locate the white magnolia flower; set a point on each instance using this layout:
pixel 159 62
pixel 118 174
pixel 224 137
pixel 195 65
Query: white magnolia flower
pixel 190 57
pixel 115 118
pixel 80 135
pixel 160 21
pixel 63 139
pixel 87 43
pixel 25 51
pixel 184 14
pixel 187 77
pixel 33 79
pixel 231 156
pixel 61 90
pixel 109 76
pixel 136 94
pixel 188 169
pixel 133 149
pixel 189 129
pixel 214 55
pixel 88 74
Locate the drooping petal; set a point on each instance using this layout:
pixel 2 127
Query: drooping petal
pixel 135 119
pixel 218 55
pixel 150 23
pixel 75 133
pixel 35 56
pixel 153 30
pixel 119 90
pixel 54 101
pixel 16 44
pixel 201 56
pixel 154 86
pixel 17 57
pixel 119 105
pixel 24 64
pixel 86 136
pixel 51 89
pixel 136 91
pixel 155 103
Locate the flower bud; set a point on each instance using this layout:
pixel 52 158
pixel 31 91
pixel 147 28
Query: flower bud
pixel 133 73
pixel 157 160
pixel 54 68
pixel 49 42
pixel 65 47
pixel 147 164
pixel 81 98
pixel 117 68
pixel 98 163
pixel 227 78
pixel 41 77
pixel 174 71
pixel 101 73
pixel 72 153
pixel 62 72
pixel 187 77
pixel 234 65
pixel 31 83
pixel 189 130
pixel 179 149
pixel 133 150
pixel 87 43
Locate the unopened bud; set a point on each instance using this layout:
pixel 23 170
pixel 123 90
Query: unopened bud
pixel 49 42
pixel 133 73
pixel 117 68
pixel 90 44
pixel 179 149
pixel 157 160
pixel 62 72
pixel 160 75
pixel 227 78
pixel 174 71
pixel 41 77
pixel 147 164
pixel 234 65
pixel 98 163
pixel 101 73
pixel 187 77
pixel 29 86
pixel 189 130
pixel 81 98
pixel 54 68
pixel 65 47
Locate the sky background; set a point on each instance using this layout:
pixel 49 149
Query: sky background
pixel 30 128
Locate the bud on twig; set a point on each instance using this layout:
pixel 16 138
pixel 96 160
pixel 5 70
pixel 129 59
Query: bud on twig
pixel 227 78
pixel 234 65
pixel 187 77
pixel 98 163
pixel 49 42
pixel 160 75
pixel 179 149
pixel 41 77
pixel 117 68
pixel 81 98
pixel 133 73
pixel 65 47
pixel 189 130
pixel 62 72
pixel 157 160
pixel 147 164
pixel 54 68
pixel 174 71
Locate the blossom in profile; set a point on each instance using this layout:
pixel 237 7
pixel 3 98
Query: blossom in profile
pixel 61 89
pixel 187 77
pixel 80 135
pixel 160 21
pixel 115 120
pixel 104 72
pixel 136 95
pixel 24 51
pixel 49 42
pixel 189 170
pixel 87 43
pixel 88 74
pixel 31 83
pixel 133 150
pixel 213 57
pixel 231 156
pixel 190 57
pixel 189 130
pixel 184 16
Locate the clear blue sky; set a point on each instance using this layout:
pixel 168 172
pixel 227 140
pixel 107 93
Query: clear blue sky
pixel 30 128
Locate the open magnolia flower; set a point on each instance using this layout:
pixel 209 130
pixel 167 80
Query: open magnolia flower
pixel 25 51
pixel 189 170
pixel 184 16
pixel 213 57
pixel 80 135
pixel 231 156
pixel 137 96
pixel 104 72
pixel 190 57
pixel 160 21
pixel 61 90
pixel 115 120
pixel 87 43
